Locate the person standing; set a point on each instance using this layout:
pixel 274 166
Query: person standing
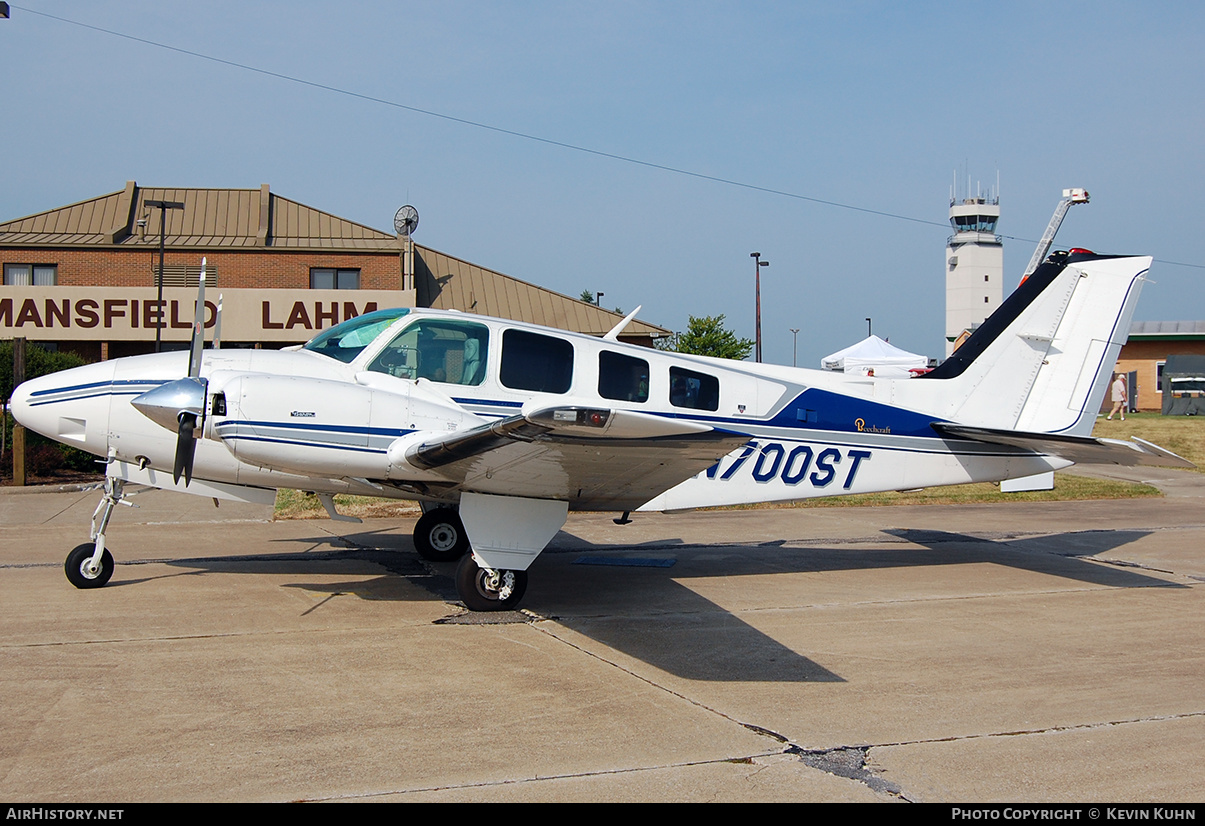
pixel 1120 397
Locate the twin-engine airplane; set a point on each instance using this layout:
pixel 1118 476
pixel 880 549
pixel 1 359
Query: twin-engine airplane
pixel 500 428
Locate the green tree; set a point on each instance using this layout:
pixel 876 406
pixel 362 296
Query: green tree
pixel 707 336
pixel 38 362
pixel 43 456
pixel 587 296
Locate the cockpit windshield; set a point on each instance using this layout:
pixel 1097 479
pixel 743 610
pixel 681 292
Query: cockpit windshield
pixel 345 341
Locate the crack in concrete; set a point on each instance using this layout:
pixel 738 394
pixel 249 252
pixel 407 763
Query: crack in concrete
pixel 1122 563
pixel 840 761
pixel 1158 718
pixel 542 778
pixel 851 761
pixel 848 762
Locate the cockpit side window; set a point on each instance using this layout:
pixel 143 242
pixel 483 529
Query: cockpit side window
pixel 531 361
pixel 345 341
pixel 694 390
pixel 624 378
pixel 452 352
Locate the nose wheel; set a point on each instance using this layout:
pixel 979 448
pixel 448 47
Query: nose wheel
pixel 486 589
pixel 85 572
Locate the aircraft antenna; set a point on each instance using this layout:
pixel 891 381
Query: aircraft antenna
pixel 618 328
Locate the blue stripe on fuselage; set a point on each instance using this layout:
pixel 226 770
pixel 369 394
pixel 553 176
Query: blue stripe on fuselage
pixel 333 428
pixel 816 409
pixel 124 387
pixel 823 410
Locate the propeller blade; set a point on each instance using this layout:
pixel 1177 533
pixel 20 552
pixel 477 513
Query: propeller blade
pixel 217 326
pixel 186 449
pixel 198 328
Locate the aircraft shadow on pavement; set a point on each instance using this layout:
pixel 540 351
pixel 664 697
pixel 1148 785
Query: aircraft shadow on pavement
pixel 1069 555
pixel 649 614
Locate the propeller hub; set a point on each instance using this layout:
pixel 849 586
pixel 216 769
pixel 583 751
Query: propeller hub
pixel 169 401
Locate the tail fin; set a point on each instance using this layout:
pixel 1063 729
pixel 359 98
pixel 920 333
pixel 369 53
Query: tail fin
pixel 1042 362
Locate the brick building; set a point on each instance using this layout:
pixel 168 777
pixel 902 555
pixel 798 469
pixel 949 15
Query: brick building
pixel 1146 351
pixel 84 277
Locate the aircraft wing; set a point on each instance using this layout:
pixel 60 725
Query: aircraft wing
pixel 595 458
pixel 1080 449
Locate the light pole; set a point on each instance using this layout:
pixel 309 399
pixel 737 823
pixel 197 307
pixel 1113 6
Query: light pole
pixel 794 344
pixel 163 206
pixel 598 299
pixel 868 332
pixel 757 265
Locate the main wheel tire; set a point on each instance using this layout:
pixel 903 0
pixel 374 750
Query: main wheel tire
pixel 76 567
pixel 439 536
pixel 472 583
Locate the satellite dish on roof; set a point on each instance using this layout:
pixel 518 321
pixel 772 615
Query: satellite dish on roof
pixel 405 220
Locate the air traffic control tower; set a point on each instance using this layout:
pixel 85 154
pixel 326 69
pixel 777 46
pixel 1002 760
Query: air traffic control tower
pixel 974 265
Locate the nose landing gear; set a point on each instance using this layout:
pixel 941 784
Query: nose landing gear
pixel 90 565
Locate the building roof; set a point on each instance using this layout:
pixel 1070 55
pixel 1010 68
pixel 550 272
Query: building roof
pixel 258 218
pixel 444 282
pixel 1167 329
pixel 230 218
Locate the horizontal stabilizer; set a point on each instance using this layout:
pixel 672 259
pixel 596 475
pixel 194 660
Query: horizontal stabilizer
pixel 1080 449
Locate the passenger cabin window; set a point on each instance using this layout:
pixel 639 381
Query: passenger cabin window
pixel 623 378
pixel 452 352
pixel 694 390
pixel 531 361
pixel 347 340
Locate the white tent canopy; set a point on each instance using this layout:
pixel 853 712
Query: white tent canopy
pixel 872 353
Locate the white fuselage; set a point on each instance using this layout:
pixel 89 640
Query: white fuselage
pixel 311 420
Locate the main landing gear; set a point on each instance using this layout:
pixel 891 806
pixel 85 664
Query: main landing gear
pixel 439 536
pixel 91 565
pixel 485 589
pixel 507 533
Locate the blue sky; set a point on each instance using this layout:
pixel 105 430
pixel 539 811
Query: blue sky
pixel 871 104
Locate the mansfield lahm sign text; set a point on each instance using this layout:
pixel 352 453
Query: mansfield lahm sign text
pixel 132 314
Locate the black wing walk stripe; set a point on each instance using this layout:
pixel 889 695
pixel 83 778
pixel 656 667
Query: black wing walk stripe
pixel 473 442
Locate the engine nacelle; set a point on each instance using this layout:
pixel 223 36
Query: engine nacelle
pixel 320 427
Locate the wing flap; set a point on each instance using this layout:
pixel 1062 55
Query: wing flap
pixel 1080 449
